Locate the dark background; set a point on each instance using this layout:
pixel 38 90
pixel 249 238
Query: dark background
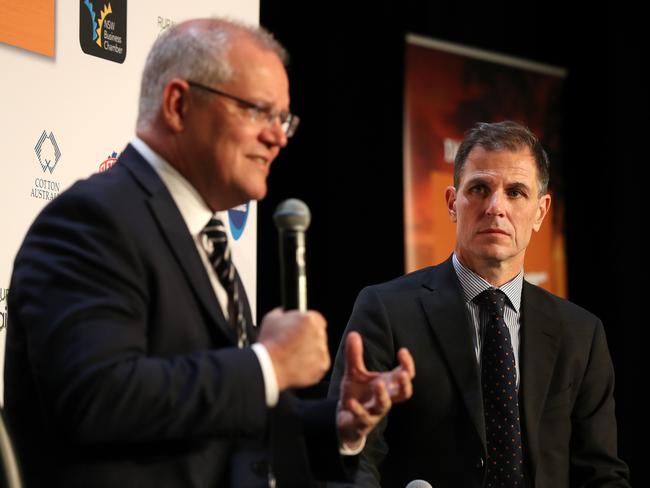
pixel 345 162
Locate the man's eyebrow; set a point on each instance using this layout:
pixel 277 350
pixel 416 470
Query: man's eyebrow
pixel 478 180
pixel 518 185
pixel 473 180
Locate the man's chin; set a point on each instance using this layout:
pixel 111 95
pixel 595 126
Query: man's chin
pixel 494 254
pixel 257 193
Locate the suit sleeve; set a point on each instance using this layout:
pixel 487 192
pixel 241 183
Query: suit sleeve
pixel 594 461
pixel 370 319
pixel 80 305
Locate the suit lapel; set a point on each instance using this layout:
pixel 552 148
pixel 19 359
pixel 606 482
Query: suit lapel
pixel 540 343
pixel 175 232
pixel 447 318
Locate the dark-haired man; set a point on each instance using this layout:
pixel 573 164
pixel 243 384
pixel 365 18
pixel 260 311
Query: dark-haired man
pixel 515 385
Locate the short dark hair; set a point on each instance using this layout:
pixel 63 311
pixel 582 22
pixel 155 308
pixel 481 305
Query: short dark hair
pixel 499 136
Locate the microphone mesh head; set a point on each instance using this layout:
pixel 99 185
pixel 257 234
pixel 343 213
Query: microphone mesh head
pixel 418 484
pixel 292 214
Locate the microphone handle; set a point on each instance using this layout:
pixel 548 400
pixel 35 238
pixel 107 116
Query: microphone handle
pixel 293 270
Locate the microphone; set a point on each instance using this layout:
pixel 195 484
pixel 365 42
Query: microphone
pixel 292 218
pixel 418 484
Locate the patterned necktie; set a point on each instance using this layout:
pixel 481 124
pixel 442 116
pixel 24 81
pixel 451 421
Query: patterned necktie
pixel 215 242
pixel 500 400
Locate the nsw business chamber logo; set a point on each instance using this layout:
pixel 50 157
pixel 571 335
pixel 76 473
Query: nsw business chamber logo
pixel 237 216
pixel 48 155
pixel 4 293
pixel 108 162
pixel 102 29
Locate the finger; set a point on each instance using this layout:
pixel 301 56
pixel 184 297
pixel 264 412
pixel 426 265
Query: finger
pixel 405 387
pixel 274 314
pixel 354 356
pixel 317 318
pixel 360 415
pixel 406 361
pixel 399 385
pixel 381 402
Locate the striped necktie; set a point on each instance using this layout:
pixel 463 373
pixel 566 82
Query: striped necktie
pixel 500 396
pixel 215 242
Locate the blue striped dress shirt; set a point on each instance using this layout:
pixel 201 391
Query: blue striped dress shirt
pixel 472 285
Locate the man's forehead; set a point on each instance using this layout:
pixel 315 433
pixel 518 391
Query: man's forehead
pixel 246 57
pixel 480 151
pixel 519 160
pixel 516 165
pixel 259 73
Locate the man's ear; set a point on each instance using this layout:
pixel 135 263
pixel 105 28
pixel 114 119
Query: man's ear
pixel 450 197
pixel 175 104
pixel 542 210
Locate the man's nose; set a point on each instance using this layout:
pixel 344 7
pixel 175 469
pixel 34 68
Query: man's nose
pixel 274 135
pixel 496 204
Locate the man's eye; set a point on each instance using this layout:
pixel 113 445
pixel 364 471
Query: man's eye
pixel 515 193
pixel 255 112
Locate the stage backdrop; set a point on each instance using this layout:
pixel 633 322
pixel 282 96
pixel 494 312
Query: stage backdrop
pixel 68 111
pixel 448 88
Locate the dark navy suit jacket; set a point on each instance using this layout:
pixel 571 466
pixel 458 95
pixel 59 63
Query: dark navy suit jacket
pixel 567 406
pixel 120 368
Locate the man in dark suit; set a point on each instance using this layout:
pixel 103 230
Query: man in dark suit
pixel 128 360
pixel 517 395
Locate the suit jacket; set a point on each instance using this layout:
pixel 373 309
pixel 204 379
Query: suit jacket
pixel 567 380
pixel 120 367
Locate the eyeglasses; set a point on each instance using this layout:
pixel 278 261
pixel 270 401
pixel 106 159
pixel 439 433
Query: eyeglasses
pixel 256 111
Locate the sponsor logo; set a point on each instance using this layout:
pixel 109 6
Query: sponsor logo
pixel 47 151
pixel 4 292
pixel 48 155
pixel 102 29
pixel 450 148
pixel 237 217
pixel 108 162
pixel 164 23
pixel 536 277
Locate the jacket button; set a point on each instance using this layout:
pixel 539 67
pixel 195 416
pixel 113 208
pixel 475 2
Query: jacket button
pixel 480 463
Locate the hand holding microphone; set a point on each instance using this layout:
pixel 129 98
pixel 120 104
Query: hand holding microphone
pixel 295 338
pixel 297 344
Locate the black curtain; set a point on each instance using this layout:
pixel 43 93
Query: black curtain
pixel 346 160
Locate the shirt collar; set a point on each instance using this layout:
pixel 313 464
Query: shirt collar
pixel 472 284
pixel 193 209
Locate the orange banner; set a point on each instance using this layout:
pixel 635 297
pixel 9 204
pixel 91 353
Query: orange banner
pixel 28 24
pixel 448 88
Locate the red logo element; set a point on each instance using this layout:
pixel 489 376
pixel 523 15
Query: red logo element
pixel 108 163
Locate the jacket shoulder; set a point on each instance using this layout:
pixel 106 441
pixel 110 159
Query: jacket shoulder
pixel 565 310
pixel 410 281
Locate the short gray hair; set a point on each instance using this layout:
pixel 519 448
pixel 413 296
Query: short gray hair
pixel 499 136
pixel 197 51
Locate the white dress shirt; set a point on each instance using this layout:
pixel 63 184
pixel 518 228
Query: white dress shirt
pixel 197 214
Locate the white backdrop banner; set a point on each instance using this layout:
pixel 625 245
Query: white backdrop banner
pixel 68 116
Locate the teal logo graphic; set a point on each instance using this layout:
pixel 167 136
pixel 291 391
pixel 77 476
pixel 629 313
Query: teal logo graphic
pixel 102 29
pixel 237 217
